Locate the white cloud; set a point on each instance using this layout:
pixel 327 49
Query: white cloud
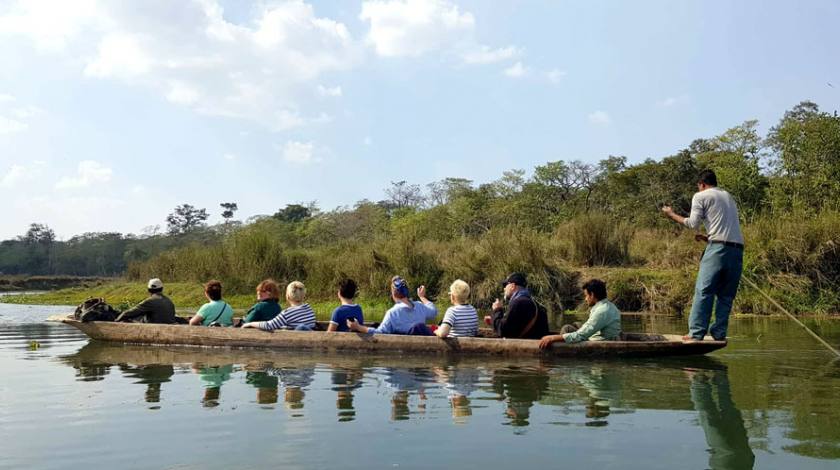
pixel 333 92
pixel 487 55
pixel 88 173
pixel 673 101
pixel 18 174
pixel 367 141
pixel 516 70
pixel 11 126
pixel 6 98
pixel 230 156
pixel 601 118
pixel 50 24
pixel 555 75
pixel 298 152
pixel 15 174
pixel 401 28
pixel 260 69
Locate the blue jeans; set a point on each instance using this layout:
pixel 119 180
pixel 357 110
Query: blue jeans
pixel 303 328
pixel 717 283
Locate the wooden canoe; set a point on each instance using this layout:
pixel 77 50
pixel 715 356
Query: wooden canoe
pixel 633 345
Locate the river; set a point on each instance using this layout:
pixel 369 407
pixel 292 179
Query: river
pixel 769 400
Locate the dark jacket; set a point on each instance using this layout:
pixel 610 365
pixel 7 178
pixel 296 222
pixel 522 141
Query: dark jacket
pixel 264 310
pixel 520 311
pixel 156 309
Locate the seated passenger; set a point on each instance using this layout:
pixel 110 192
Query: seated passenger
pixel 299 315
pixel 268 302
pixel 347 309
pixel 604 321
pixel 460 319
pixel 216 312
pixel 406 316
pixel 156 309
pixel 524 317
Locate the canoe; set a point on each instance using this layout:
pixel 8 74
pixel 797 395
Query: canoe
pixel 631 345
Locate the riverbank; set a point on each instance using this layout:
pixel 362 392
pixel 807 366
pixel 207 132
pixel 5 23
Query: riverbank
pixel 41 283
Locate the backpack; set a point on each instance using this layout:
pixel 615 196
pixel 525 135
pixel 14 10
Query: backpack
pixel 95 309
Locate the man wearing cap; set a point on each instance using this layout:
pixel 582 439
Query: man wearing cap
pixel 722 262
pixel 523 317
pixel 156 309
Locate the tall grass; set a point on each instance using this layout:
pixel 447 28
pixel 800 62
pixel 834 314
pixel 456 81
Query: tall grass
pixel 796 259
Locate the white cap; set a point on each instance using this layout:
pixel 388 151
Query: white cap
pixel 155 284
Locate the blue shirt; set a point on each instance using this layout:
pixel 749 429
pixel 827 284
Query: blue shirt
pixel 400 318
pixel 344 312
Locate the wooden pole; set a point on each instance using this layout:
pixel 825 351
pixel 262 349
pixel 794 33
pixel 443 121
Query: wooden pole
pixel 784 310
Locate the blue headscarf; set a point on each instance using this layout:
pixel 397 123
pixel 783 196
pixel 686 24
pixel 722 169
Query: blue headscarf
pixel 401 287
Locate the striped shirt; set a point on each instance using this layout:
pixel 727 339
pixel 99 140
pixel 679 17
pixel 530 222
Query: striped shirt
pixel 462 319
pixel 290 319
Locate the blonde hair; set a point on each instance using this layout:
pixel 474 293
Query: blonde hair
pixel 296 291
pixel 460 290
pixel 270 286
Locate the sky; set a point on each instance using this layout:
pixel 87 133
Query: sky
pixel 112 113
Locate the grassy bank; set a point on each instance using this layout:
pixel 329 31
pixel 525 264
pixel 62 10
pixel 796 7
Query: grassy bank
pixel 26 283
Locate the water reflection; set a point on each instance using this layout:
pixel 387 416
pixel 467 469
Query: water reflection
pixel 522 394
pixel 212 378
pixel 460 382
pixel 721 420
pixel 344 382
pixel 153 376
pixel 519 388
pixel 265 384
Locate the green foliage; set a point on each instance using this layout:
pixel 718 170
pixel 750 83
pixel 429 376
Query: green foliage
pixel 597 239
pixel 806 160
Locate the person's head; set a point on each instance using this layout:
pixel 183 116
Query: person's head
pixel 459 292
pixel 155 286
pixel 594 290
pixel 347 289
pixel 268 289
pixel 706 179
pixel 513 283
pixel 399 288
pixel 213 290
pixel 296 292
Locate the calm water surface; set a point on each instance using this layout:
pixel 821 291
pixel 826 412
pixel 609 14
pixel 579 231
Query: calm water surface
pixel 769 400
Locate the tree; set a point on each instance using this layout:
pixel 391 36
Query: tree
pixel 445 190
pixel 186 219
pixel 403 195
pixel 296 212
pixel 39 234
pixel 229 209
pixel 805 161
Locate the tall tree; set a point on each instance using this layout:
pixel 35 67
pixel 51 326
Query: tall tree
pixel 229 209
pixel 186 218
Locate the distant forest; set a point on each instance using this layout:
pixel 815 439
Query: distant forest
pixel 787 184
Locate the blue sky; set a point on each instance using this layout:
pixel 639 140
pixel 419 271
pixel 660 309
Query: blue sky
pixel 113 113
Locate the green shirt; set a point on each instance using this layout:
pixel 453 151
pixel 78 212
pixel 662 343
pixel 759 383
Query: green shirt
pixel 264 310
pixel 604 323
pixel 211 310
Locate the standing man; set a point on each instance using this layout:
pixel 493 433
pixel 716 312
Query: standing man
pixel 155 309
pixel 720 268
pixel 523 318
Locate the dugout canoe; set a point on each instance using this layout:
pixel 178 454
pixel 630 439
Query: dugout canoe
pixel 632 344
